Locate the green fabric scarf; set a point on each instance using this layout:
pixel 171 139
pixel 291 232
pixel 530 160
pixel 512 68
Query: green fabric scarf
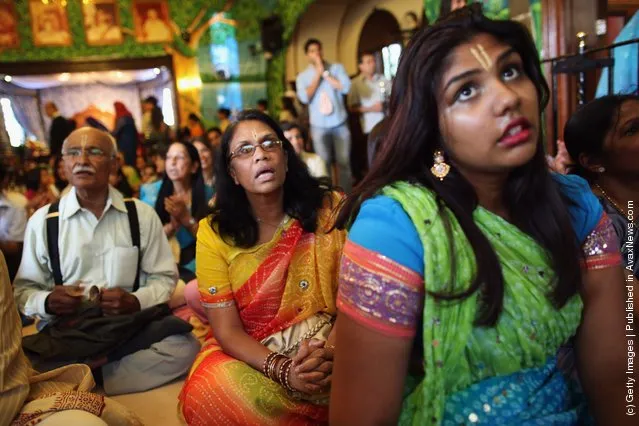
pixel 458 354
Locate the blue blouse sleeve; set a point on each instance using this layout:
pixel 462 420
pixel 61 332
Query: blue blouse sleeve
pixel 384 227
pixel 149 193
pixel 584 208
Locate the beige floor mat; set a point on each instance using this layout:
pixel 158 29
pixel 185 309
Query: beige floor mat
pixel 157 407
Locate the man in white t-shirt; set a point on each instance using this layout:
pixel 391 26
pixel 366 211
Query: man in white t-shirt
pixel 314 162
pixel 369 91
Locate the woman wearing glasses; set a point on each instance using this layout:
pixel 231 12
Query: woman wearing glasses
pixel 267 265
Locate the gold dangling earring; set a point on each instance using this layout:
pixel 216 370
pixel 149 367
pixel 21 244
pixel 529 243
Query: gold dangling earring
pixel 440 169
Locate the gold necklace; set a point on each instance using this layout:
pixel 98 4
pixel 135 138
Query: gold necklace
pixel 612 202
pixel 282 223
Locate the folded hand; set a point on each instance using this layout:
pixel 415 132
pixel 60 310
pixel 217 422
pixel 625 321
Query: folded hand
pixel 312 366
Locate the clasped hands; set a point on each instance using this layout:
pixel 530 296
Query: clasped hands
pixel 176 207
pixel 312 367
pixel 66 300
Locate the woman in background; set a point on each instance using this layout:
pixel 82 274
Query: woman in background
pixel 195 126
pixel 181 200
pixel 125 133
pixel 40 189
pixel 206 153
pixel 60 177
pixel 602 138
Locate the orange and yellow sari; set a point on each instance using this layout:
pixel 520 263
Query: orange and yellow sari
pixel 276 287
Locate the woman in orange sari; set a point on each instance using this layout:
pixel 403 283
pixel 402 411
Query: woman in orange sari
pixel 267 267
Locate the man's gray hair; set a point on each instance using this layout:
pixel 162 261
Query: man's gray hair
pixel 114 143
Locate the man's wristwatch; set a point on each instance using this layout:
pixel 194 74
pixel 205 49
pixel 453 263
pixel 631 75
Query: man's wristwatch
pixel 326 73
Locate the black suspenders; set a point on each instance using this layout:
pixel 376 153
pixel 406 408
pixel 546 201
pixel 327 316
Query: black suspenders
pixel 53 230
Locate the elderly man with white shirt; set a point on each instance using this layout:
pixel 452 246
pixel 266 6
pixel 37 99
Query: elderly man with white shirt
pixel 96 248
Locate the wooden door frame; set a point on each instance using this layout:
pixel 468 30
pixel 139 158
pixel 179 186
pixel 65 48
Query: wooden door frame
pixel 559 38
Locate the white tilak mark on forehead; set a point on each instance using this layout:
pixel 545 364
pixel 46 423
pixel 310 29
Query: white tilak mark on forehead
pixel 479 59
pixel 481 56
pixel 482 51
pixel 254 135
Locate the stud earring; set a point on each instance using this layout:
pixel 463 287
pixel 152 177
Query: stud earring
pixel 601 169
pixel 440 169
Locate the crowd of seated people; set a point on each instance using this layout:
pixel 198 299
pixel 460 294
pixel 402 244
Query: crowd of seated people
pixel 474 281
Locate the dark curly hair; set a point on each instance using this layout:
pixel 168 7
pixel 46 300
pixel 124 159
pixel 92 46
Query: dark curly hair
pixel 232 217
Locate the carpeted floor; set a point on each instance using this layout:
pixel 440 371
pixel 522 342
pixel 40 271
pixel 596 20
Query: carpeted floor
pixel 157 407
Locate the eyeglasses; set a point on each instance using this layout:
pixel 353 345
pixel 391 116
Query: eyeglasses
pixel 92 153
pixel 248 150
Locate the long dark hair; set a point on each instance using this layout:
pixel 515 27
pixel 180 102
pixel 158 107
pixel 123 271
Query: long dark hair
pixel 199 203
pixel 60 183
pixel 586 131
pixel 289 105
pixel 533 199
pixel 445 8
pixel 232 216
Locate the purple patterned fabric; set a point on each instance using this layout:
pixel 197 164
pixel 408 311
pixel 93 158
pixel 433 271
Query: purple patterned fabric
pixel 379 299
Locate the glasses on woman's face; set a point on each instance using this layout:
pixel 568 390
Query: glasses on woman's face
pixel 247 150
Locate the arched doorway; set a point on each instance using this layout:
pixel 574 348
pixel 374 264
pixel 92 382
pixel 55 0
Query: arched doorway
pixel 382 35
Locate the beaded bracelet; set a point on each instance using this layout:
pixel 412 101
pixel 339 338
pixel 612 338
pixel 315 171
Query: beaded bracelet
pixel 271 365
pixel 287 384
pixel 270 370
pixel 281 374
pixel 267 360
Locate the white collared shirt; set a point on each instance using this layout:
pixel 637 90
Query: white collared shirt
pixel 13 216
pixel 366 93
pixel 98 252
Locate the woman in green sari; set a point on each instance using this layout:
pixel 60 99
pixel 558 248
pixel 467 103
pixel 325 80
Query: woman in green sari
pixel 468 266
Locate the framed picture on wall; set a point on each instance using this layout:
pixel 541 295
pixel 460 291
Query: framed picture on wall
pixel 152 21
pixel 49 24
pixel 8 24
pixel 101 22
